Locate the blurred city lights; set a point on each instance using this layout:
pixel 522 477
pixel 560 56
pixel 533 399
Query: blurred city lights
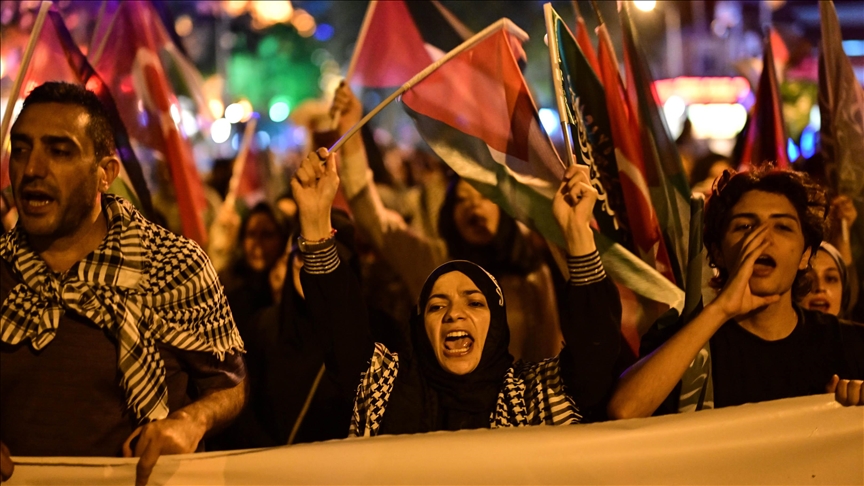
pixel 235 7
pixel 271 12
pixel 189 123
pixel 217 108
pixel 717 120
pixel 234 113
pixel 674 110
pixel 2 67
pixel 792 150
pixel 279 111
pixel 815 117
pixel 808 142
pixel 324 32
pixel 853 47
pixel 175 113
pixel 304 23
pixel 645 6
pixel 247 110
pixel 183 25
pixel 220 130
pixel 262 138
pixel 549 120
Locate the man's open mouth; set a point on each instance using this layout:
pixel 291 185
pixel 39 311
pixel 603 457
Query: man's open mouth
pixel 766 261
pixel 458 343
pixel 35 199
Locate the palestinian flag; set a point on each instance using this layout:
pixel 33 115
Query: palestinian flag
pixel 57 58
pixel 664 173
pixel 476 112
pixel 766 134
pixel 399 39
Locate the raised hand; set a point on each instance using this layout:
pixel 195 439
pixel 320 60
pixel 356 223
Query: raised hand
pixel 846 392
pixel 573 207
pixel 314 186
pixel 736 298
pixel 843 209
pixel 346 106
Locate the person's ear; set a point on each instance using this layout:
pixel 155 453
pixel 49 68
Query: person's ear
pixel 109 168
pixel 805 259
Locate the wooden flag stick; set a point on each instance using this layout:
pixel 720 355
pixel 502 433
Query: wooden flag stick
pixel 22 71
pixel 361 39
pixel 240 163
pixel 597 11
pixel 97 54
pixel 499 24
pixel 558 81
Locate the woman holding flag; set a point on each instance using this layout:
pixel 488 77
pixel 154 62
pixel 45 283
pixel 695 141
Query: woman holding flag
pixel 460 374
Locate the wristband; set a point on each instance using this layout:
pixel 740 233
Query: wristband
pixel 309 246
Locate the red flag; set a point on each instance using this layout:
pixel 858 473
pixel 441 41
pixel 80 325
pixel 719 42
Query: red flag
pixel 766 136
pixel 584 41
pixel 644 225
pixel 399 39
pixel 147 105
pixel 57 58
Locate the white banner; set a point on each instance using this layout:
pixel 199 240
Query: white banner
pixel 808 440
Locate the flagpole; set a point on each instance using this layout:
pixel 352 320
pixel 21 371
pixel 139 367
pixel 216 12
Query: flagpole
pixel 504 22
pixel 100 17
pixel 361 39
pixel 25 63
pixel 97 54
pixel 597 12
pixel 558 80
pixel 240 163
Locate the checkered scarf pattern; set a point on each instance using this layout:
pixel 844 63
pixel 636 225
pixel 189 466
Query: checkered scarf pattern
pixel 532 394
pixel 143 285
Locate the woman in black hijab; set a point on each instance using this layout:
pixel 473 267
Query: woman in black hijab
pixel 459 374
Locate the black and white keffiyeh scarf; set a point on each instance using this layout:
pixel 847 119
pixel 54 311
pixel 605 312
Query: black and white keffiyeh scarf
pixel 143 285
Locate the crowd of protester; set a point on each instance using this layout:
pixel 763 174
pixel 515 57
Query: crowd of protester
pixel 418 306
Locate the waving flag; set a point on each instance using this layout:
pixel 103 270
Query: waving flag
pixel 664 174
pixel 841 104
pixel 476 112
pixel 679 214
pixel 593 126
pixel 130 59
pixel 584 40
pixel 399 39
pixel 582 104
pixel 57 58
pixel 766 136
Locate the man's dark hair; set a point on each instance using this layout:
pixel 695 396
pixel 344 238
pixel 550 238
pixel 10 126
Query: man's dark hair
pixel 807 197
pixel 98 129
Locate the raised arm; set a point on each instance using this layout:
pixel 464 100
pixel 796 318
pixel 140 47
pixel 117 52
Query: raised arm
pixel 412 255
pixel 644 386
pixel 332 293
pixel 591 320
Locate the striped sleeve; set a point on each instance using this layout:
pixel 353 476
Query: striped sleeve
pixel 586 269
pixel 321 262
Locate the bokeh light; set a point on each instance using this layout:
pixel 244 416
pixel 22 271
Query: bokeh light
pixel 645 6
pixel 220 130
pixel 183 25
pixel 279 111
